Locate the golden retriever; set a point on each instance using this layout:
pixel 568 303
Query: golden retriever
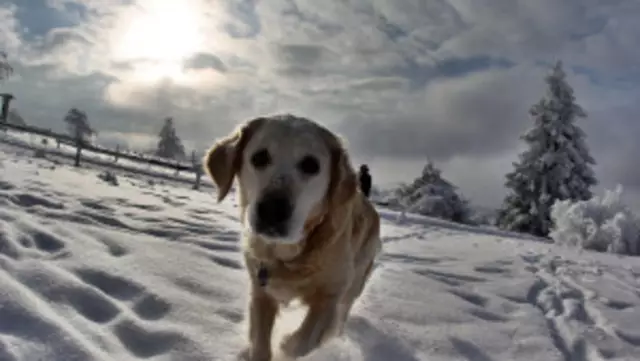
pixel 308 232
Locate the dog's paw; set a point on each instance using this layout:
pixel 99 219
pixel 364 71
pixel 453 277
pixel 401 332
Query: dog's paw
pixel 249 354
pixel 293 346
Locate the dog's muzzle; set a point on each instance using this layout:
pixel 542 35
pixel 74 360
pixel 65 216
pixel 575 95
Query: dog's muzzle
pixel 273 213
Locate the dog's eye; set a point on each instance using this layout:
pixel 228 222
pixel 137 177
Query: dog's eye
pixel 309 165
pixel 261 158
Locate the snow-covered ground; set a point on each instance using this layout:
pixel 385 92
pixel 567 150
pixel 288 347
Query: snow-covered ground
pixel 91 271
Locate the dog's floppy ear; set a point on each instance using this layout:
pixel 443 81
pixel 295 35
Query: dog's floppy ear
pixel 343 183
pixel 224 159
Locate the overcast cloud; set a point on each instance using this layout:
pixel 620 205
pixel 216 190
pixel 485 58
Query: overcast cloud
pixel 451 80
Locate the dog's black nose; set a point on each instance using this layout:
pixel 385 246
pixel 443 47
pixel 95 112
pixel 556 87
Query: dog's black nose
pixel 273 211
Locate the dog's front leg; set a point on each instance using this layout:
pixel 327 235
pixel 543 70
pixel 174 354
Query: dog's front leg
pixel 262 313
pixel 317 327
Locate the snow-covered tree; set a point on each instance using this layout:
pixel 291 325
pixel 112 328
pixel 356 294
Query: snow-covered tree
pixel 169 145
pixel 432 195
pixel 556 165
pixel 604 224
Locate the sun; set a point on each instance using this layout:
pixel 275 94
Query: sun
pixel 157 36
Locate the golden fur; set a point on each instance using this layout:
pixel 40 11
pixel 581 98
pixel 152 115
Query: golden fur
pixel 327 270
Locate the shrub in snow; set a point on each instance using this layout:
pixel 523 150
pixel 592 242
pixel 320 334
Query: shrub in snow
pixel 431 195
pixel 109 177
pixel 556 165
pixel 603 224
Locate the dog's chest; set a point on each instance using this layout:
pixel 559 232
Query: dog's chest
pixel 285 284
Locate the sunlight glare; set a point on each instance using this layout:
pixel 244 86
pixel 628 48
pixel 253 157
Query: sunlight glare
pixel 161 34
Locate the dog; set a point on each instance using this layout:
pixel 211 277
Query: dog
pixel 308 232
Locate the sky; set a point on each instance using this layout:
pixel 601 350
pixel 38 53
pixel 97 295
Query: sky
pixel 401 81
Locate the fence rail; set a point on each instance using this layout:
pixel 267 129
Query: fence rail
pixel 177 166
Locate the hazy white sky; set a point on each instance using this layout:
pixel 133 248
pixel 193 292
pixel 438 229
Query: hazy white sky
pixel 451 80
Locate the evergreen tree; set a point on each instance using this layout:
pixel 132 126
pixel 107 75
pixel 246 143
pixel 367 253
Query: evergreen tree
pixel 169 146
pixel 432 195
pixel 556 165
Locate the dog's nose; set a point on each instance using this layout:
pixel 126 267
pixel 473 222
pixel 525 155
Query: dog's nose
pixel 273 211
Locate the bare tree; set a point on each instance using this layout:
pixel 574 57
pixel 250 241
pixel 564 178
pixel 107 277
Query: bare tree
pixel 79 128
pixel 6 70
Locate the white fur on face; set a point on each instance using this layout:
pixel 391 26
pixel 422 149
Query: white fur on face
pixel 288 141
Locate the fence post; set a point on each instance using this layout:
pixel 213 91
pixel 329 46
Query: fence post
pixel 79 146
pixel 78 154
pixel 4 114
pixel 197 169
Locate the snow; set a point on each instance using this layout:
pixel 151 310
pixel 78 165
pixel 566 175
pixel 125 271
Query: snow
pixel 603 224
pixel 92 271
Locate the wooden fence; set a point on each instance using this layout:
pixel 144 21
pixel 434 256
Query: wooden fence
pixel 194 166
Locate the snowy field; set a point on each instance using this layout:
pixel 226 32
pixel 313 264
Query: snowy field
pixel 91 271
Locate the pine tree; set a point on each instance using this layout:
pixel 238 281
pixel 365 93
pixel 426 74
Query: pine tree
pixel 432 195
pixel 169 146
pixel 556 165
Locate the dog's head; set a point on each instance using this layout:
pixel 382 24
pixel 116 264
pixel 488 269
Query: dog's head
pixel 291 171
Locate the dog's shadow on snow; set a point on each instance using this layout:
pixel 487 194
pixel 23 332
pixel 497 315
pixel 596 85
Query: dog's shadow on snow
pixel 376 345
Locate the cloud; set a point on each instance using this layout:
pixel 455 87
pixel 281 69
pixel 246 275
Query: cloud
pixel 9 33
pixel 205 61
pixel 446 79
pixel 451 117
